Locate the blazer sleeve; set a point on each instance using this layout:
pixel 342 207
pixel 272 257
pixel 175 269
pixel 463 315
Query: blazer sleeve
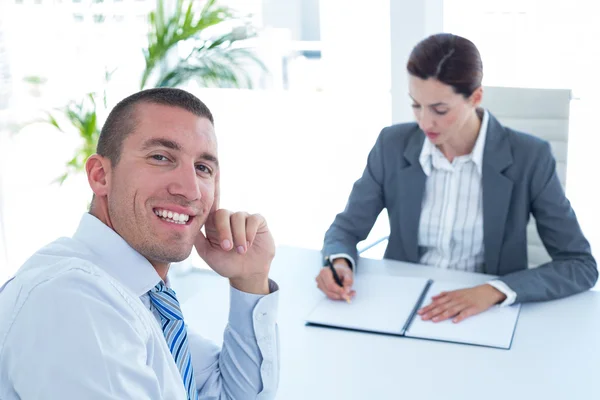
pixel 362 209
pixel 573 268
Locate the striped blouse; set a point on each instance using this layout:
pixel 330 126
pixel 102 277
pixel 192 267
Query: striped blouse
pixel 451 226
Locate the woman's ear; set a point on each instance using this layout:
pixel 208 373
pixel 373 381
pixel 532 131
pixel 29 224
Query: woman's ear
pixel 476 97
pixel 98 173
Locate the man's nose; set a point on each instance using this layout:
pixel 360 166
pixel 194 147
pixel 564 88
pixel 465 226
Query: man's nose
pixel 185 184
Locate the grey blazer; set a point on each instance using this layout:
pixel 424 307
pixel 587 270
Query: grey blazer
pixel 519 178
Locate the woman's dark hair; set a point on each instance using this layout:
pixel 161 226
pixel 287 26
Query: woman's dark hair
pixel 450 59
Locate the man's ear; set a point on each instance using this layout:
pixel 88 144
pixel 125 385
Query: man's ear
pixel 98 173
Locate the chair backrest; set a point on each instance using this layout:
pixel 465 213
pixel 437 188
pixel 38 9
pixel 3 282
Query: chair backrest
pixel 539 112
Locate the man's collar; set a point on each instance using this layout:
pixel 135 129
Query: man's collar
pixel 115 256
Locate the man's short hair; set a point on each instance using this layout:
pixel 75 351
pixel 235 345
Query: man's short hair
pixel 122 119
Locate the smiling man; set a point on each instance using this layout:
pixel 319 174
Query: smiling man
pixel 93 316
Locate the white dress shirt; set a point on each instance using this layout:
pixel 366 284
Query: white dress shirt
pixel 76 323
pixel 451 223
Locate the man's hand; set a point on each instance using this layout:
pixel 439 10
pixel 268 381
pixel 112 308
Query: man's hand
pixel 461 304
pixel 240 247
pixel 237 246
pixel 327 284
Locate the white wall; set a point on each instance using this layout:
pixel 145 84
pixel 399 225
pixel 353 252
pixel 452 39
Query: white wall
pixel 411 22
pixel 283 14
pixel 356 41
pixel 291 156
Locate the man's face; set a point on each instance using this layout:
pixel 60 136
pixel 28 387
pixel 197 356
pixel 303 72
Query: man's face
pixel 162 189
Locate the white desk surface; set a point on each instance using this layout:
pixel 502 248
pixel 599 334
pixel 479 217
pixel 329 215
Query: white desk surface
pixel 555 352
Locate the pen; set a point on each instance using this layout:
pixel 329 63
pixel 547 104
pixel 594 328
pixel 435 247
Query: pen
pixel 336 278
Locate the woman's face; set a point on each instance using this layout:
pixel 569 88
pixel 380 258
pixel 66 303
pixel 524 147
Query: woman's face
pixel 440 112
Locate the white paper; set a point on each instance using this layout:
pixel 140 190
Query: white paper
pixel 494 327
pixel 382 304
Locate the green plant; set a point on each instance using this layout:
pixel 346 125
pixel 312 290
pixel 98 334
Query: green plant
pixel 210 61
pixel 83 117
pixel 35 80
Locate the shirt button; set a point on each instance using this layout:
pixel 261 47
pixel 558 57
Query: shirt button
pixel 267 367
pixel 260 316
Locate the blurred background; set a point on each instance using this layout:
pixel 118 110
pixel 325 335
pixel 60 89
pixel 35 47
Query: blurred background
pixel 300 89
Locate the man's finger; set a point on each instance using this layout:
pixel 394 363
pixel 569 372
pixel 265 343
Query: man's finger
pixel 201 244
pixel 223 226
pixel 238 231
pixel 254 224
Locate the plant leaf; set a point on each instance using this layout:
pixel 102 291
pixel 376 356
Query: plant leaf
pixel 183 24
pixel 61 179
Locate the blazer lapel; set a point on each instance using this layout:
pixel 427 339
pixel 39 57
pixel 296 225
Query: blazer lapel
pixel 411 192
pixel 497 192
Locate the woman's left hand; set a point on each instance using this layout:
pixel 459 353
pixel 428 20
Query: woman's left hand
pixel 461 304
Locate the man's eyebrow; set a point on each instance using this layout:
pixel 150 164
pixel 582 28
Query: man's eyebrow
pixel 209 157
pixel 170 144
pixel 161 142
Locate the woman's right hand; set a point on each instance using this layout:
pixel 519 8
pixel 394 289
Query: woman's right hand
pixel 327 284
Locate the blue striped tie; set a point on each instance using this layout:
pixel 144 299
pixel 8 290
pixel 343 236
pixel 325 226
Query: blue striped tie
pixel 165 302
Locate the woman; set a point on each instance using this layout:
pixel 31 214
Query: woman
pixel 459 188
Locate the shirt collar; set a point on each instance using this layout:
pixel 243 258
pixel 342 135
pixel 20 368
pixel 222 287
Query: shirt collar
pixel 429 149
pixel 115 256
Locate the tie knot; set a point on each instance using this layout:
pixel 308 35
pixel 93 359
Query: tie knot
pixel 165 301
pixel 160 287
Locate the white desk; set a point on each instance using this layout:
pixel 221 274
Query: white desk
pixel 555 352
